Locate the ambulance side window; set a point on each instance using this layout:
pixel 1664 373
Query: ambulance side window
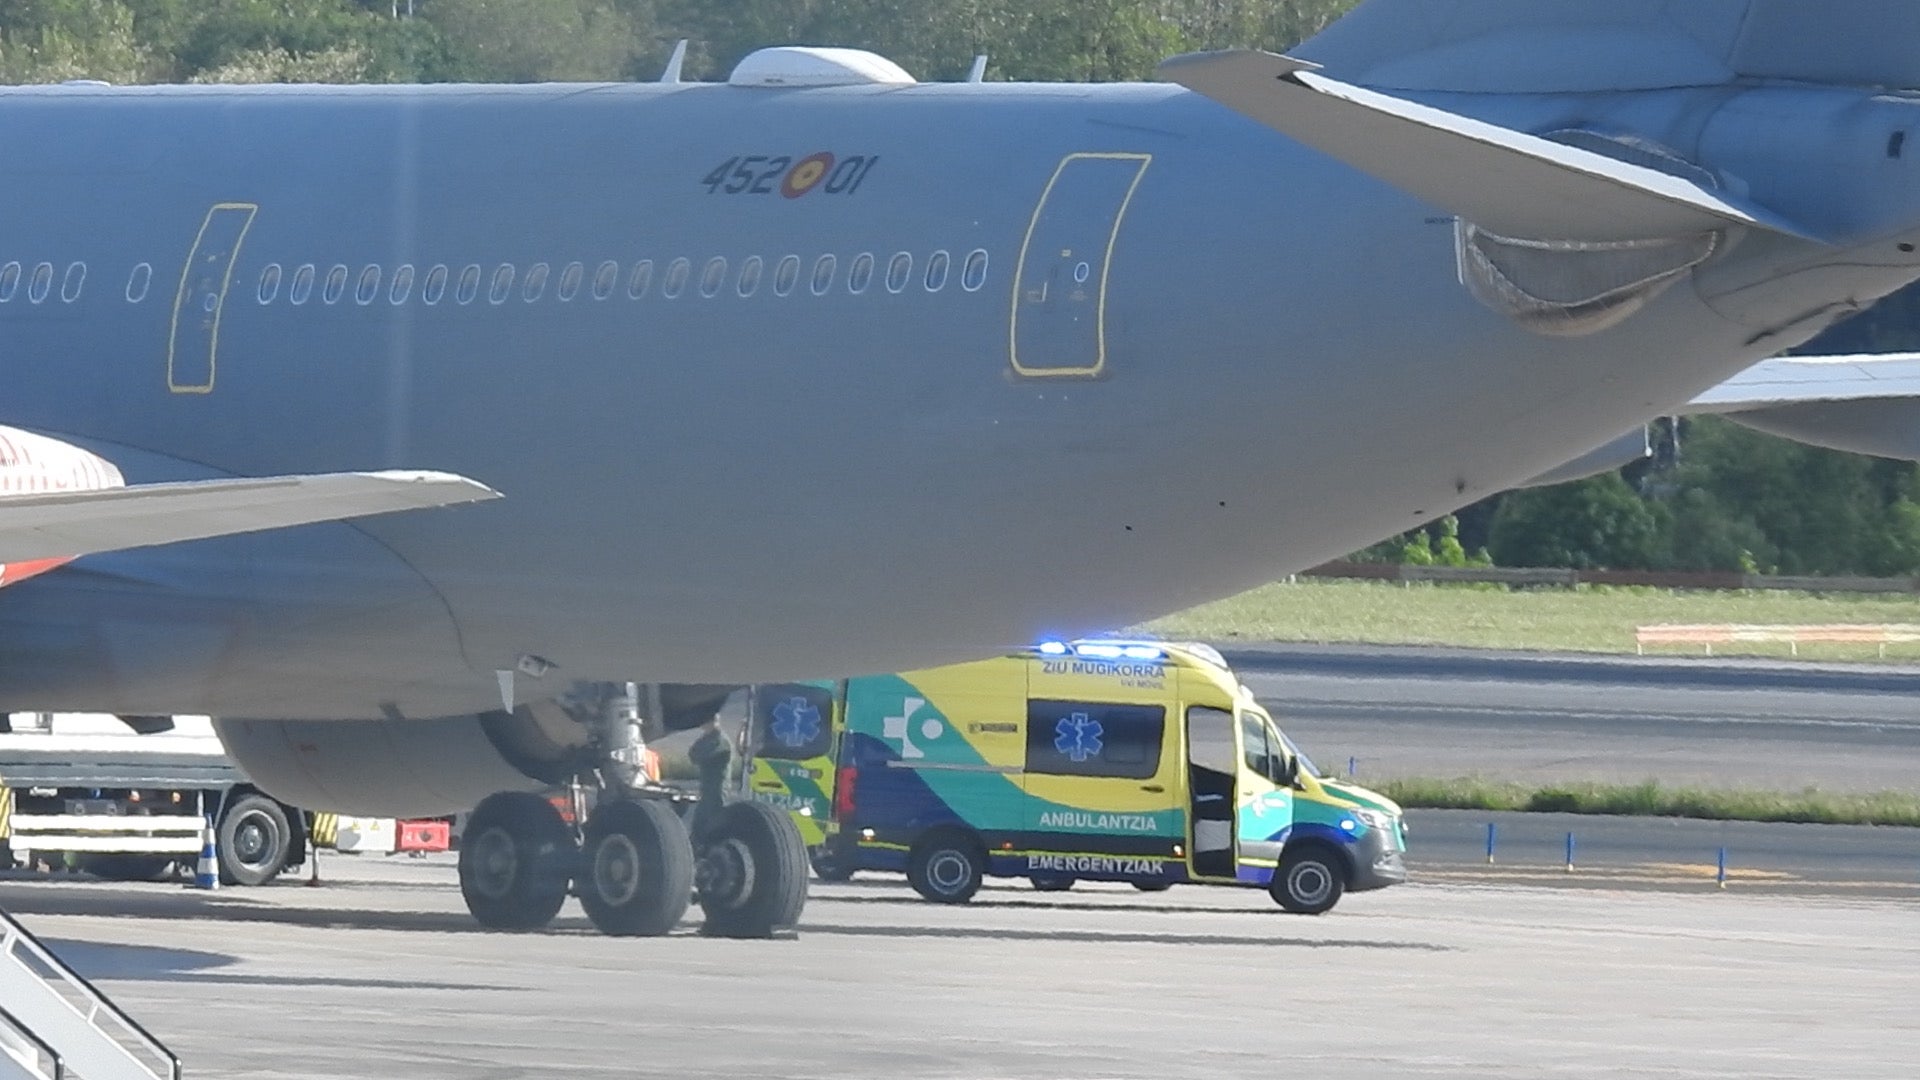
pixel 1258 753
pixel 1079 738
pixel 792 722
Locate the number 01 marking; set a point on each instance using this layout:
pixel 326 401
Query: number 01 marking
pixel 193 344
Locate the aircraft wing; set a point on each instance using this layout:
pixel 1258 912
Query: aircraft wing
pixel 1508 182
pixel 1800 380
pixel 70 523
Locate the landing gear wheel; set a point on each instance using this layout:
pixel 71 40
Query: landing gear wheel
pixel 636 875
pixel 752 873
pixel 1309 881
pixel 254 841
pixel 514 859
pixel 1153 886
pixel 946 868
pixel 1051 884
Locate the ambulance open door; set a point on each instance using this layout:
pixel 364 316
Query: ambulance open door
pixel 1212 766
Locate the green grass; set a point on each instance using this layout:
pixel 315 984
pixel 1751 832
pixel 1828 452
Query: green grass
pixel 1650 799
pixel 1586 619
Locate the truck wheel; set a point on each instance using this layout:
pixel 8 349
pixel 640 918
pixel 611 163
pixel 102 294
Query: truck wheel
pixel 636 876
pixel 254 841
pixel 515 858
pixel 752 873
pixel 1310 880
pixel 1051 883
pixel 946 868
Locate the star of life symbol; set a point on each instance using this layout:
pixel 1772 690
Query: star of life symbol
pixel 796 722
pixel 1078 737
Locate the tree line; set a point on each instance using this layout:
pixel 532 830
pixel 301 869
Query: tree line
pixel 1731 499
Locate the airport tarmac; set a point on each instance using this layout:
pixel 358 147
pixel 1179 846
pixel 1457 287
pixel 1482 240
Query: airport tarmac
pixel 1540 718
pixel 380 973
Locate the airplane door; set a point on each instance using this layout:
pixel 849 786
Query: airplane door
pixel 1060 286
pixel 194 344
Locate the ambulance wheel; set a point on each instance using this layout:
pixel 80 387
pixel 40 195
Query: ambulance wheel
pixel 829 868
pixel 1153 886
pixel 1309 881
pixel 752 872
pixel 514 859
pixel 255 840
pixel 947 867
pixel 636 874
pixel 1060 883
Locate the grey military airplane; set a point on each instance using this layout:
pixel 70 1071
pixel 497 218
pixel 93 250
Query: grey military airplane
pixel 822 370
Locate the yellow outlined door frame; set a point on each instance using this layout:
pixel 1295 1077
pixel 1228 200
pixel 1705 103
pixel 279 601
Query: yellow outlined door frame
pixel 193 341
pixel 1100 215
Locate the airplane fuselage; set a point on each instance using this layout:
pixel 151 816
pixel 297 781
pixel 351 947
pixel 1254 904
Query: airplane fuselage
pixel 775 383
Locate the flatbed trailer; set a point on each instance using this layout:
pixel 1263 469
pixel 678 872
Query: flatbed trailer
pixel 127 799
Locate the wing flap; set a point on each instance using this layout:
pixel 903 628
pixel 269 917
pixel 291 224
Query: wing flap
pixel 70 523
pixel 1505 181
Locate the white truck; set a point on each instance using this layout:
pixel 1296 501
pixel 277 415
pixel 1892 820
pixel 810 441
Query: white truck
pixel 126 797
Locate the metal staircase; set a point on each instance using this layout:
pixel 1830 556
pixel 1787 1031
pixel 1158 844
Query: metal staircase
pixel 55 1024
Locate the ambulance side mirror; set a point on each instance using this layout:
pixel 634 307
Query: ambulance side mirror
pixel 1288 769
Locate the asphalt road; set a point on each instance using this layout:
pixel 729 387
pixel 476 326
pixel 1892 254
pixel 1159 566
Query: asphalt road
pixel 381 974
pixel 1439 713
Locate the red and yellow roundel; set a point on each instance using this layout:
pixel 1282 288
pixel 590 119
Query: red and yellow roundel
pixel 806 174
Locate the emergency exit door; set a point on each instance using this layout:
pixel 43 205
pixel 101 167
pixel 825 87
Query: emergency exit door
pixel 1060 286
pixel 193 345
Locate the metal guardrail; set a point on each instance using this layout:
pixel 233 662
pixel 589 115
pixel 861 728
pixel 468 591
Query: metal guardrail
pixel 1792 636
pixel 62 1010
pixel 1656 579
pixel 27 1050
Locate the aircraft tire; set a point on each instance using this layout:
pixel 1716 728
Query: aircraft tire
pixel 254 841
pixel 1053 883
pixel 636 875
pixel 1310 880
pixel 947 867
pixel 753 873
pixel 514 856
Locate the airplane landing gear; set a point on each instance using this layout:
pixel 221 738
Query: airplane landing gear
pixel 636 876
pixel 515 862
pixel 752 873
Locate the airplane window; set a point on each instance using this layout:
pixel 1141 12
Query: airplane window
pixel 604 280
pixel 677 273
pixel 750 276
pixel 536 286
pixel 138 282
pixel 9 281
pixel 502 284
pixel 974 274
pixel 336 285
pixel 435 286
pixel 75 280
pixel 786 275
pixel 469 286
pixel 402 286
pixel 899 272
pixel 369 286
pixel 823 270
pixel 42 283
pixel 302 286
pixel 570 279
pixel 860 274
pixel 269 283
pixel 713 277
pixel 642 278
pixel 937 271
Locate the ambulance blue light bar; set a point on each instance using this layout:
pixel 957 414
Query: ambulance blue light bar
pixel 1103 650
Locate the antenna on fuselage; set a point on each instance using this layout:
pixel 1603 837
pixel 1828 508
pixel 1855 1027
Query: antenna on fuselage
pixel 979 72
pixel 675 62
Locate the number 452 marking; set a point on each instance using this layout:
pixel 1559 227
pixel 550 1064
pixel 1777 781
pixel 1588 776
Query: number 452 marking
pixel 761 174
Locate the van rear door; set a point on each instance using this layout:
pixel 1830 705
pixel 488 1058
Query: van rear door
pixel 793 734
